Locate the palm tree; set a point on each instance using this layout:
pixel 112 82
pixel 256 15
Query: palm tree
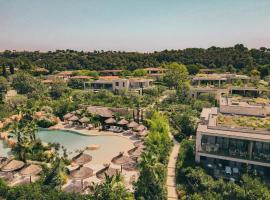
pixel 150 184
pixel 112 189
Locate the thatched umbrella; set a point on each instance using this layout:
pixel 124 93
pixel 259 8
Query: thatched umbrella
pixel 110 121
pixel 131 166
pixel 13 165
pixel 138 143
pixel 142 133
pixel 84 120
pixel 31 170
pixel 79 112
pixel 101 111
pixel 136 151
pixel 108 171
pixel 133 124
pixel 82 159
pixel 81 173
pixel 73 118
pixel 67 116
pixel 121 159
pixel 122 122
pixel 140 128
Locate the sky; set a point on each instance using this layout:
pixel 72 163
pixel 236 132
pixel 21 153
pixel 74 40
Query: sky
pixel 132 25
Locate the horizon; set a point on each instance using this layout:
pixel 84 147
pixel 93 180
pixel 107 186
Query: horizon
pixel 138 26
pixel 123 51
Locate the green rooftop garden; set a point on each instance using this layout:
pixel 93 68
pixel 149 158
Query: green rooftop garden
pixel 243 121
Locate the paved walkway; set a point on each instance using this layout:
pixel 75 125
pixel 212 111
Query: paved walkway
pixel 171 175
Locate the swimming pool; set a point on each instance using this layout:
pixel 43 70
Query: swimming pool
pixel 110 146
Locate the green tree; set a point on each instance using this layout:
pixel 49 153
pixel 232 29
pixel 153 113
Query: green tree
pixel 111 189
pixel 57 175
pixel 255 77
pixel 76 83
pixel 3 88
pixel 4 71
pixel 24 83
pixel 139 72
pixel 58 89
pixel 150 185
pixel 176 74
pixel 25 133
pixel 193 69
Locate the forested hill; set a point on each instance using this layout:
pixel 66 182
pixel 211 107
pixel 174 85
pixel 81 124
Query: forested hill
pixel 237 58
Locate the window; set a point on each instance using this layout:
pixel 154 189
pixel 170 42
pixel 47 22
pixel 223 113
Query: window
pixel 116 83
pixel 123 84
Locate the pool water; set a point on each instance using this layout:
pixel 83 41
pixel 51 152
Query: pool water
pixel 110 146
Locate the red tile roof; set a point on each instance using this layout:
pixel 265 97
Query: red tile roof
pixel 154 69
pixel 111 70
pixel 108 77
pixel 81 77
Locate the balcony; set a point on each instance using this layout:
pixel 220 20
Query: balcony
pixel 240 153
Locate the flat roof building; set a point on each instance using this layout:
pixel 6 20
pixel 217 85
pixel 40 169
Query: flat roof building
pixel 240 138
pixel 115 84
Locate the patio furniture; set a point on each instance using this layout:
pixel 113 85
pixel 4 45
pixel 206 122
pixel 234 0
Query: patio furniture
pixel 128 133
pixel 232 179
pixel 228 170
pixel 235 170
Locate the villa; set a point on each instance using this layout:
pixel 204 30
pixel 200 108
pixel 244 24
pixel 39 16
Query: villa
pixel 228 84
pixel 116 84
pixel 110 72
pixel 233 136
pixel 65 75
pixel 218 80
pixel 258 107
pixel 155 71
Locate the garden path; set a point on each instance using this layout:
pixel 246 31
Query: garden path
pixel 171 173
